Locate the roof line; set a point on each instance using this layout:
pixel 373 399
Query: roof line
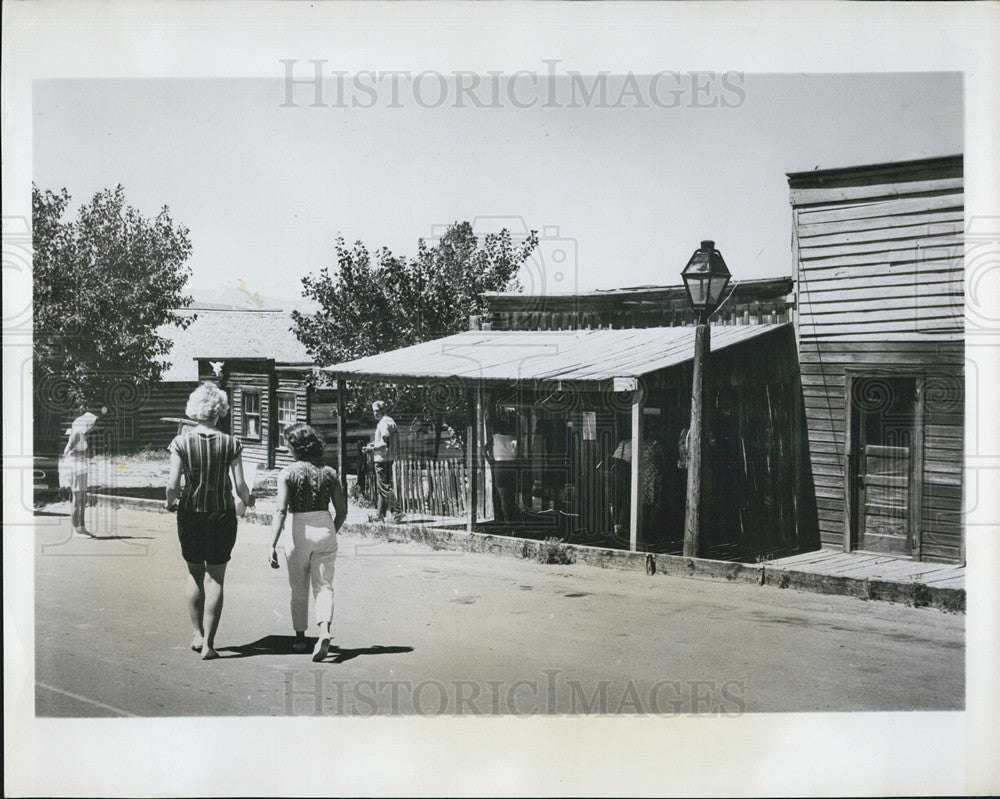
pixel 231 310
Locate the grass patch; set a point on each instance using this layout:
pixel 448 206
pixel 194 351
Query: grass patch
pixel 553 551
pixel 921 595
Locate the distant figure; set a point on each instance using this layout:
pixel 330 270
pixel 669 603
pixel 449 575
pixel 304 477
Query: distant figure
pixel 77 459
pixel 502 456
pixel 385 449
pixel 309 490
pixel 621 488
pixel 206 512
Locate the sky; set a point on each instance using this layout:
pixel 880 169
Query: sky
pixel 621 191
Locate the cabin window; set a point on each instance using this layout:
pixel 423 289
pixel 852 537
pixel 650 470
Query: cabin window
pixel 286 412
pixel 251 414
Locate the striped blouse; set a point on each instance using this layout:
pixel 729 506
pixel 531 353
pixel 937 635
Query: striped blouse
pixel 206 457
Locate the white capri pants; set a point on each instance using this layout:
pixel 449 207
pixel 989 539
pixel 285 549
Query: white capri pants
pixel 311 558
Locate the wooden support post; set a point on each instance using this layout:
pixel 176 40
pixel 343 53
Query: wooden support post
pixel 850 493
pixel 797 453
pixel 696 448
pixel 472 456
pixel 635 497
pixel 342 431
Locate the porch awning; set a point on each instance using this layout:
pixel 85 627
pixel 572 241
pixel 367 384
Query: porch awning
pixel 581 358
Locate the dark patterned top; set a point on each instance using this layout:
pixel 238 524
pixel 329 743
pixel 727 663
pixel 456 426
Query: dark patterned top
pixel 310 487
pixel 206 457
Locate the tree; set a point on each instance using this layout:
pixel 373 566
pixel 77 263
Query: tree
pixel 375 302
pixel 103 284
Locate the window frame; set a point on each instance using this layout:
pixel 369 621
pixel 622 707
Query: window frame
pixel 245 414
pixel 278 397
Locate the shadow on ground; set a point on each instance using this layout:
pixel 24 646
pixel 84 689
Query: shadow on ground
pixel 283 645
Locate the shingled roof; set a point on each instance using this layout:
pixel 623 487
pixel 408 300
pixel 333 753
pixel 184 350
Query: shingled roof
pixel 230 334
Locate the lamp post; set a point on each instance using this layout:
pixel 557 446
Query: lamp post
pixel 705 279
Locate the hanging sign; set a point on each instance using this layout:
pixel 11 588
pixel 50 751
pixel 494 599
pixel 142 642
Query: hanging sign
pixel 625 383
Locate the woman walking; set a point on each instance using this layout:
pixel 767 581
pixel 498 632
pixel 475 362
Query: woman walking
pixel 309 490
pixel 206 512
pixel 77 459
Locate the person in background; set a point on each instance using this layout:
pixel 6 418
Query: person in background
pixel 206 509
pixel 502 456
pixel 621 499
pixel 385 449
pixel 77 460
pixel 309 490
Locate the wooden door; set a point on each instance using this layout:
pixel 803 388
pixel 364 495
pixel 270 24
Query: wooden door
pixel 886 417
pixel 884 499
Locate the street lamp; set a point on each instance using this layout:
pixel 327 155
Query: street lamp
pixel 705 278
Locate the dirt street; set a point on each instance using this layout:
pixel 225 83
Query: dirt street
pixel 441 633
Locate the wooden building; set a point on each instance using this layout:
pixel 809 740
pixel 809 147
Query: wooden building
pixel 266 396
pixel 879 276
pixel 584 381
pixel 141 415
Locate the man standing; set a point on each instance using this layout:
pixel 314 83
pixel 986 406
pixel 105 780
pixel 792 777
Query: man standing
pixel 385 449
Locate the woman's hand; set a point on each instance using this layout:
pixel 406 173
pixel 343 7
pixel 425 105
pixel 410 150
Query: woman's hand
pixel 273 559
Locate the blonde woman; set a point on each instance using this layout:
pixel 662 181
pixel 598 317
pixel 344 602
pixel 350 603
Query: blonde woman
pixel 206 510
pixel 309 490
pixel 77 458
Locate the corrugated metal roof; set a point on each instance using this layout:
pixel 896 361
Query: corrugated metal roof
pixel 570 356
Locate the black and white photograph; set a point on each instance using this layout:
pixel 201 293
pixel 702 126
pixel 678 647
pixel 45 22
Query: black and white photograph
pixel 606 385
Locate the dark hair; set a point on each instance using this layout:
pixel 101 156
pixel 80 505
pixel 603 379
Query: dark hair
pixel 303 442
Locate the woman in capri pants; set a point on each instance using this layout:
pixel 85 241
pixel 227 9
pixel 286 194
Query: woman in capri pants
pixel 309 490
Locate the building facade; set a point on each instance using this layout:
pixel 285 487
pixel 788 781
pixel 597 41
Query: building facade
pixel 878 252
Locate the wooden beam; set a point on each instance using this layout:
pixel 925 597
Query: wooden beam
pixel 472 456
pixel 635 498
pixel 916 498
pixel 692 515
pixel 342 431
pixel 849 445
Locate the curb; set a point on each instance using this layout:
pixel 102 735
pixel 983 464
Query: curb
pixel 914 594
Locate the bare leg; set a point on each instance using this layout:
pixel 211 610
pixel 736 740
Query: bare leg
pixel 79 510
pixel 215 575
pixel 196 602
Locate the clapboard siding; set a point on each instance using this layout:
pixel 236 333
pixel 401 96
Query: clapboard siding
pixel 255 450
pixel 880 291
pixel 132 421
pixel 880 228
pixel 165 400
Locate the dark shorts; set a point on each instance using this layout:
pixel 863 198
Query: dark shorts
pixel 206 536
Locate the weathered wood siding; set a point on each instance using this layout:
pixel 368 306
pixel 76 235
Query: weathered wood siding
pixel 132 422
pixel 255 450
pixel 288 383
pixel 751 302
pixel 759 501
pixel 879 260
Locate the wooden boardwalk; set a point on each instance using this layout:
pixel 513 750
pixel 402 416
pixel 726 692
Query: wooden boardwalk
pixel 861 565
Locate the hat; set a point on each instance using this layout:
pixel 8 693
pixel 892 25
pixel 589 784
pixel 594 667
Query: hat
pixel 84 423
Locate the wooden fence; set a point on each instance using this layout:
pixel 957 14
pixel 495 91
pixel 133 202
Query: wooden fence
pixel 425 486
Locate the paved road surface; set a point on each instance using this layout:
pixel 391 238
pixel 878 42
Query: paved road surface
pixel 430 632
